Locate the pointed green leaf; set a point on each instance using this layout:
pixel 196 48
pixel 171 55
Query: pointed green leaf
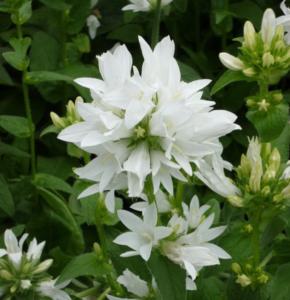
pixel 15 125
pixel 6 199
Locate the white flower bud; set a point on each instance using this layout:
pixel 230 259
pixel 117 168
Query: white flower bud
pixel 231 62
pixel 236 201
pixel 268 26
pixel 249 72
pixel 249 35
pixel 25 284
pixel 43 266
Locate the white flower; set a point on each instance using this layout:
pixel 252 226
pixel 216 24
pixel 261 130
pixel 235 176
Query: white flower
pixel 144 5
pixel 144 125
pixel 231 62
pixel 211 173
pixel 285 20
pixel 14 248
pixel 49 289
pixel 93 24
pixel 286 172
pixel 268 26
pixel 144 234
pixel 193 250
pixel 134 284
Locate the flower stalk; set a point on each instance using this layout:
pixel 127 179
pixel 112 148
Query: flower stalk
pixel 156 24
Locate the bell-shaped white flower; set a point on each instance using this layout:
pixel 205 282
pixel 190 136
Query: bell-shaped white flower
pixel 144 5
pixel 53 291
pixel 93 24
pixel 134 284
pixel 285 20
pixel 144 234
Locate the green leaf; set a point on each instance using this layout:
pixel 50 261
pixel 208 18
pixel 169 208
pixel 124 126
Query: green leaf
pixel 170 278
pixel 15 125
pixel 215 209
pixel 12 150
pixel 51 182
pixel 84 265
pixel 209 289
pixel 280 288
pixel 271 123
pixel 61 209
pixel 56 4
pixel 23 13
pixel 226 78
pixel 17 58
pixel 6 199
pixel 44 58
pixel 49 129
pixel 188 74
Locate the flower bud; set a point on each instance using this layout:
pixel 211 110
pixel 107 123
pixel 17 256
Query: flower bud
pixel 248 228
pixel 236 201
pixel 231 62
pixel 249 35
pixel 266 191
pixel 25 284
pixel 243 280
pixel 43 266
pixel 268 26
pixel 277 97
pixel 70 108
pixel 249 72
pixel 57 121
pixel 268 60
pixel 279 32
pixel 6 275
pixel 236 268
pixel 263 105
pixel 263 278
pixel 275 160
pixel 280 45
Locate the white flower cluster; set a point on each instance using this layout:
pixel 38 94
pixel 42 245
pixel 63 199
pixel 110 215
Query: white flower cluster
pixel 144 5
pixel 22 271
pixel 185 240
pixel 143 126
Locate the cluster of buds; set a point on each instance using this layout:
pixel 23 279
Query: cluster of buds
pixel 264 56
pixel 248 275
pixel 263 103
pixel 261 178
pixel 70 117
pixel 22 274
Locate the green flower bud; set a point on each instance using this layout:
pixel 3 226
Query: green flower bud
pixel 249 35
pixel 275 160
pixel 236 201
pixel 6 275
pixel 43 266
pixel 263 278
pixel 57 121
pixel 266 191
pixel 277 97
pixel 236 268
pixel 248 228
pixel 243 280
pixel 249 72
pixel 263 105
pixel 268 60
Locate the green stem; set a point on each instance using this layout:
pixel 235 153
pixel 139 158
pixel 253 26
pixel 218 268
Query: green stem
pixel 88 292
pixel 156 24
pixel 266 259
pixel 263 88
pixel 256 238
pixel 25 92
pixel 102 238
pixel 104 294
pixel 149 190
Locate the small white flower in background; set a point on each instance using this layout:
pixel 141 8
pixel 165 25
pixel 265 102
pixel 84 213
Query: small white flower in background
pixel 211 173
pixel 162 128
pixel 144 234
pixel 285 20
pixel 93 24
pixel 134 284
pixel 144 5
pixel 192 249
pixel 53 291
pixel 24 270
